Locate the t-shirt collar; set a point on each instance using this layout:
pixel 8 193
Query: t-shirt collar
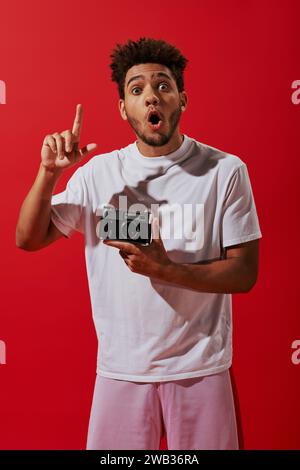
pixel 158 161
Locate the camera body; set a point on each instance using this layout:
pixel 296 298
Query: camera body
pixel 133 227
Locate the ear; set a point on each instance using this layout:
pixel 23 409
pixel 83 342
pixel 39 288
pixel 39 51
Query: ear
pixel 183 100
pixel 122 109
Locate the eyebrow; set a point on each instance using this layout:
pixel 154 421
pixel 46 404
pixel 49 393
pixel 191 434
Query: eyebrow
pixel 158 74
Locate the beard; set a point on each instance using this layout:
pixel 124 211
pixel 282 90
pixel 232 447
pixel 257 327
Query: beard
pixel 161 137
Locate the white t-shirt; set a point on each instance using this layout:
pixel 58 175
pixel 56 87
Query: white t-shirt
pixel 149 330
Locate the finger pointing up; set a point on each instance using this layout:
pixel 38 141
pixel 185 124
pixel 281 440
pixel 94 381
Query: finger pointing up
pixel 77 122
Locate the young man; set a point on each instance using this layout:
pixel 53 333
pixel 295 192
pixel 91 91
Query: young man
pixel 162 312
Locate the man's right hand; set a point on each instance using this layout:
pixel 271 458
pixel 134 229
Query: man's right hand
pixel 60 151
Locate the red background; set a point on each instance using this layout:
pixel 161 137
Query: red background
pixel 243 58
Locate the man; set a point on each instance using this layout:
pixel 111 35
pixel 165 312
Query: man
pixel 162 312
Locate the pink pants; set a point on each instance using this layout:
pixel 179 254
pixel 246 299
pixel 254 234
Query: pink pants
pixel 196 413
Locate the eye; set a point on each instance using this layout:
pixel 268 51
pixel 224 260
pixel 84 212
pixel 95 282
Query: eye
pixel 164 84
pixel 138 88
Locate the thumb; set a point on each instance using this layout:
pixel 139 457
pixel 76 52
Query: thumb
pixel 84 151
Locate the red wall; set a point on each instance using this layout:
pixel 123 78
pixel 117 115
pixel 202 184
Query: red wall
pixel 243 57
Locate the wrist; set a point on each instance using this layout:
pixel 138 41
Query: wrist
pixel 50 172
pixel 167 272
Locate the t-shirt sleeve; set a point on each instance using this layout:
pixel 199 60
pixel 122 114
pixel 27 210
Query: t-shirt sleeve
pixel 68 207
pixel 240 221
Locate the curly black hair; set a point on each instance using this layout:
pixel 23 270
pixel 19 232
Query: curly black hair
pixel 146 50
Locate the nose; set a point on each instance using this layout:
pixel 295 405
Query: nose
pixel 151 98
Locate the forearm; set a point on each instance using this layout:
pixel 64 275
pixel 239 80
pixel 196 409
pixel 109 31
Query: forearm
pixel 221 276
pixel 34 216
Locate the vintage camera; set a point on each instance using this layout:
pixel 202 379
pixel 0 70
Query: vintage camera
pixel 134 227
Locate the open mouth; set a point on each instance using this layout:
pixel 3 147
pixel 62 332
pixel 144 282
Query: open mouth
pixel 154 121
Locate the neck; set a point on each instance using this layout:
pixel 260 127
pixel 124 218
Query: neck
pixel 153 151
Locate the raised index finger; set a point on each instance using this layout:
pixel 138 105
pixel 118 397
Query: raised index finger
pixel 77 122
